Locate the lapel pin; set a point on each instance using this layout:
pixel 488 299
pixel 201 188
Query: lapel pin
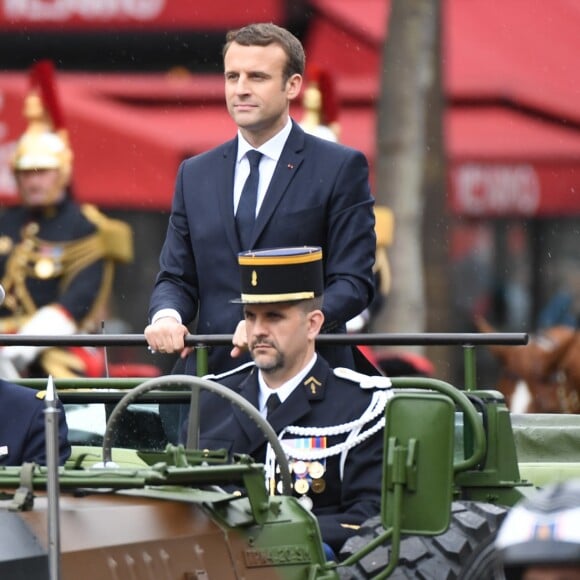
pixel 290 166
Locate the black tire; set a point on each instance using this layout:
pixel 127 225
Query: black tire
pixel 464 552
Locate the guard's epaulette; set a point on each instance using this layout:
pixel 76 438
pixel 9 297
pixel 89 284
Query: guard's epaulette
pixel 41 395
pixel 365 381
pixel 116 235
pixel 239 369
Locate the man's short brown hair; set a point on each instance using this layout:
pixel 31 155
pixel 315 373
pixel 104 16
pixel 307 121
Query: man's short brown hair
pixel 266 33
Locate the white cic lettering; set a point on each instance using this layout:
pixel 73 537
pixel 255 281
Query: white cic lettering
pixel 497 189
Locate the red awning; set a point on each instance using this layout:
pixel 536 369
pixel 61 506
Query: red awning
pixel 524 51
pixel 504 163
pixel 511 81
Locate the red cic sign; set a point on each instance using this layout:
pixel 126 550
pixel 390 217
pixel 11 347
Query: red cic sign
pixel 128 14
pixel 519 189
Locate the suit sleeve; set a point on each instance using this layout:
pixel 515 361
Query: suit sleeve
pixel 176 285
pixel 351 243
pixel 34 447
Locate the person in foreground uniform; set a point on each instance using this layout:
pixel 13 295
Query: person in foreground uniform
pixel 57 257
pixel 22 424
pixel 330 422
pixel 22 427
pixel 540 537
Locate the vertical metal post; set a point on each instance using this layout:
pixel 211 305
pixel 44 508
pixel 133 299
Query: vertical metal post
pixel 201 353
pixel 470 385
pixel 51 414
pixel 470 367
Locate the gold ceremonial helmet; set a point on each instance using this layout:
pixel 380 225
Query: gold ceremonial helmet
pixel 320 104
pixel 41 146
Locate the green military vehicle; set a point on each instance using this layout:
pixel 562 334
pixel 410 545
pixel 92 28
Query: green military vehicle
pixel 129 505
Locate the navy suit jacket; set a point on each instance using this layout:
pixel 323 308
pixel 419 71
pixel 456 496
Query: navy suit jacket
pixel 319 195
pixel 328 401
pixel 22 429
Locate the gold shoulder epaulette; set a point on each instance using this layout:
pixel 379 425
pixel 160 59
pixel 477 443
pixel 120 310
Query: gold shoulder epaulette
pixel 117 236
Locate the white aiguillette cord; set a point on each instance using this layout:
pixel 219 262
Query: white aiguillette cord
pixel 375 409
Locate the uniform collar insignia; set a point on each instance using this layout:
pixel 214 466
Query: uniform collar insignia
pixel 313 387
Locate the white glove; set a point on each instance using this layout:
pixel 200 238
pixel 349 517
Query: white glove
pixel 359 322
pixel 49 320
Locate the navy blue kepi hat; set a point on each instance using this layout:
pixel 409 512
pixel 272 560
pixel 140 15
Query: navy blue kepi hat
pixel 280 275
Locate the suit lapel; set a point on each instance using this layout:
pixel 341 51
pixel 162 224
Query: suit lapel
pixel 287 167
pixel 225 192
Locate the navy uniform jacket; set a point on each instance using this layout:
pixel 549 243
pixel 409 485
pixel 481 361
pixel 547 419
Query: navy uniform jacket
pixel 62 223
pixel 319 196
pixel 22 429
pixel 329 400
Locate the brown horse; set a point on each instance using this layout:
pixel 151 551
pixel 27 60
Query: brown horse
pixel 542 376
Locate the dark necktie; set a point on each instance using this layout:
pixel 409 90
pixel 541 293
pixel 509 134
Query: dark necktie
pixel 272 403
pixel 246 214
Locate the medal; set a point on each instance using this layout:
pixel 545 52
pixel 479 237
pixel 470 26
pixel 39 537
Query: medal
pixel 306 502
pixel 300 468
pixel 301 486
pixel 316 470
pixel 318 485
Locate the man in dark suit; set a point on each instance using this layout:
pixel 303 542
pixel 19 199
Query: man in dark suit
pixel 22 427
pixel 309 192
pixel 330 422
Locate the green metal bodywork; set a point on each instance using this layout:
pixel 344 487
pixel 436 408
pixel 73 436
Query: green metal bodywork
pixel 441 444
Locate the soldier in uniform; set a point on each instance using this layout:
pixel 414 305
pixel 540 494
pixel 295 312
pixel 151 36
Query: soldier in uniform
pixel 22 427
pixel 56 257
pixel 330 422
pixel 22 424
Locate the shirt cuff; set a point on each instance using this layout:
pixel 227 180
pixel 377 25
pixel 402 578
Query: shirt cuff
pixel 164 312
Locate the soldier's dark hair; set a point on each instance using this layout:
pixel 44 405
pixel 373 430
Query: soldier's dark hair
pixel 311 304
pixel 266 33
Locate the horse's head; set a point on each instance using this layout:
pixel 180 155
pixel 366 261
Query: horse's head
pixel 540 365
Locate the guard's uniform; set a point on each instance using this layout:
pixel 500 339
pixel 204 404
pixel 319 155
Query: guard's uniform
pixel 41 258
pixel 61 256
pixel 22 428
pixel 56 257
pixel 344 489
